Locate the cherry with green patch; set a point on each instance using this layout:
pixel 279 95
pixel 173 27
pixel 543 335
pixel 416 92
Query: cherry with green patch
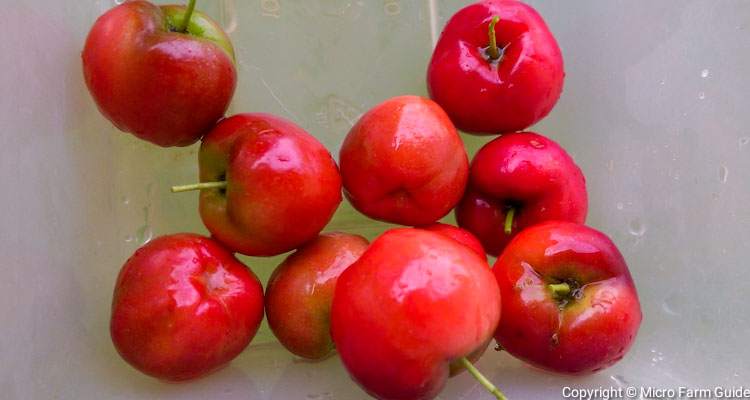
pixel 166 74
pixel 569 301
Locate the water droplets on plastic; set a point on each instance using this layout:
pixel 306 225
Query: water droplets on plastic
pixel 637 228
pixel 705 73
pixel 656 357
pixel 723 174
pixel 319 396
pixel 619 380
pixel 671 305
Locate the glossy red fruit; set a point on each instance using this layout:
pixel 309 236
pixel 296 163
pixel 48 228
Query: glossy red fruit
pixel 508 94
pixel 413 304
pixel 460 235
pixel 529 173
pixel 162 86
pixel 283 186
pixel 569 303
pixel 184 307
pixel 300 292
pixel 403 162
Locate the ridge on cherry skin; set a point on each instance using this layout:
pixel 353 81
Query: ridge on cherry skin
pixel 460 235
pixel 162 73
pixel 183 307
pixel 267 186
pixel 518 180
pixel 569 303
pixel 496 68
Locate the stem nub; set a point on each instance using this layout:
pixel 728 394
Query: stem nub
pixel 188 14
pixel 482 380
pixel 559 290
pixel 509 220
pixel 199 186
pixel 493 52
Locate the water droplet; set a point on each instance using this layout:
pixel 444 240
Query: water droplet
pixel 319 396
pixel 637 228
pixel 620 206
pixel 129 239
pixel 705 73
pixel 144 234
pixel 619 380
pixel 657 356
pixel 120 1
pixel 723 174
pixel 701 95
pixel 671 305
pixel 125 200
pixel 662 82
pixel 744 141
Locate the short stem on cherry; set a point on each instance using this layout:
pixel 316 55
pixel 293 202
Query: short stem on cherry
pixel 482 380
pixel 559 289
pixel 199 186
pixel 493 52
pixel 509 220
pixel 186 19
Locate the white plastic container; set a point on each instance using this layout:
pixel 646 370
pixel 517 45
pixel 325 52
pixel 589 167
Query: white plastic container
pixel 655 111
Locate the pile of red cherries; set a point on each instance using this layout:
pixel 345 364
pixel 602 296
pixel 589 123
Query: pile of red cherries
pixel 420 303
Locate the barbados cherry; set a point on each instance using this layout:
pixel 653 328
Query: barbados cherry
pixel 300 292
pixel 267 186
pixel 410 311
pixel 569 303
pixel 166 74
pixel 518 180
pixel 183 307
pixel 496 68
pixel 403 162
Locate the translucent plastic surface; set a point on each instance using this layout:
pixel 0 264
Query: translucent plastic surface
pixel 655 111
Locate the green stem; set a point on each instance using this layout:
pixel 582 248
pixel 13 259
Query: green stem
pixel 186 19
pixel 509 220
pixel 199 186
pixel 492 51
pixel 482 380
pixel 559 289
